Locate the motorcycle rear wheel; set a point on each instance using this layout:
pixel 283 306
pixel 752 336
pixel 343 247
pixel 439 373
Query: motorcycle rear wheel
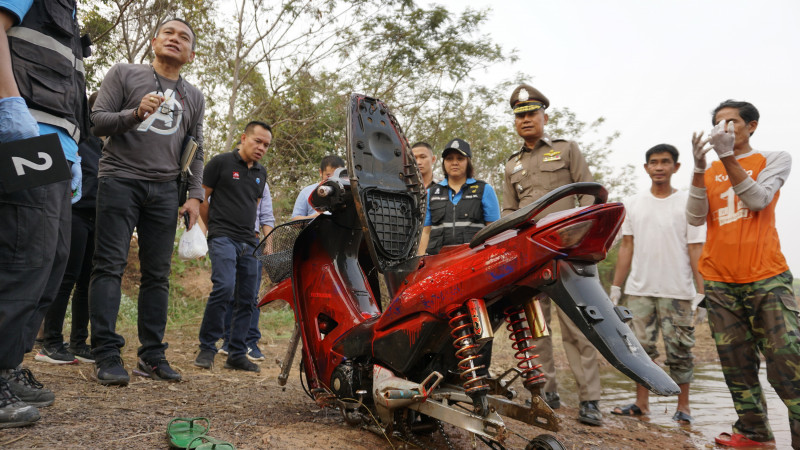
pixel 545 442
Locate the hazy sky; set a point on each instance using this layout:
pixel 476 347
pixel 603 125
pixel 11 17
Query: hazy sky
pixel 656 70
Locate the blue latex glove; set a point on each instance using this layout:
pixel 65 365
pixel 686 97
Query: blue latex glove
pixel 16 121
pixel 77 181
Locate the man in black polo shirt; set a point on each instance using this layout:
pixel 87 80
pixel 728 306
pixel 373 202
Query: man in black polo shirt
pixel 237 181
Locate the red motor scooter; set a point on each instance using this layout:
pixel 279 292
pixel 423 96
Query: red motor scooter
pixel 420 361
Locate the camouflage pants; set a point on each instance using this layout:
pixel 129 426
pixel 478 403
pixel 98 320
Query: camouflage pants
pixel 674 318
pixel 748 319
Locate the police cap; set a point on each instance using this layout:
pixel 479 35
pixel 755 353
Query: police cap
pixel 527 98
pixel 458 145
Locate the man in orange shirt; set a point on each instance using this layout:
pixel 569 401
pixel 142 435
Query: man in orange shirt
pixel 748 285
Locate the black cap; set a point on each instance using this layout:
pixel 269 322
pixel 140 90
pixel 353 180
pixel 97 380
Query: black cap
pixel 458 145
pixel 527 98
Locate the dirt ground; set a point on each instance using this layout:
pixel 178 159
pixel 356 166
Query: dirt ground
pixel 253 412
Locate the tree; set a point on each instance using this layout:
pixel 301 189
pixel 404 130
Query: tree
pixel 488 125
pixel 300 77
pixel 595 148
pixel 294 63
pixel 121 30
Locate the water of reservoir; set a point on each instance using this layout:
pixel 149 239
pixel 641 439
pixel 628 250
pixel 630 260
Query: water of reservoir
pixel 710 400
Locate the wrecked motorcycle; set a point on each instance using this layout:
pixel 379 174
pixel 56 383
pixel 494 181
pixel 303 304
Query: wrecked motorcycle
pixel 418 362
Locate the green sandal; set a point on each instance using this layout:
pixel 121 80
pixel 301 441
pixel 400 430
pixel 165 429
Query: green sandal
pixel 181 431
pixel 209 443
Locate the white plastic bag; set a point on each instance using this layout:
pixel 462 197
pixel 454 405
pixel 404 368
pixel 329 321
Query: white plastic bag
pixel 193 244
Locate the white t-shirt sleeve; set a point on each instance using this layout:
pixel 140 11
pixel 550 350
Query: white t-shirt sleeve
pixel 695 235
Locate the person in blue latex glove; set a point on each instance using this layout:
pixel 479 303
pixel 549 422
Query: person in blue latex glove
pixel 36 222
pixel 16 122
pixel 77 181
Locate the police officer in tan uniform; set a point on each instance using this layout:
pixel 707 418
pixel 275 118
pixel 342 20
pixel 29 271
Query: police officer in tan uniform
pixel 541 165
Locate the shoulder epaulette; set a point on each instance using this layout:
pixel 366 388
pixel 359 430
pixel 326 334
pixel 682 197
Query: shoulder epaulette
pixel 514 154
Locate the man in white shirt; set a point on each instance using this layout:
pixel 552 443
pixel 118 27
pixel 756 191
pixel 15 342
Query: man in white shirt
pixel 661 250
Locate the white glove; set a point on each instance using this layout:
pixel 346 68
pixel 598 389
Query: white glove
pixel 699 150
pixel 700 316
pixel 615 294
pixel 722 138
pixel 698 297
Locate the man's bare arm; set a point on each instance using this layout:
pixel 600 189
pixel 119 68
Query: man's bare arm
pixel 624 258
pixel 695 250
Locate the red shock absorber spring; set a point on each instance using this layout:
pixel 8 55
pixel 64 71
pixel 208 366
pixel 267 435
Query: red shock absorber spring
pixel 463 335
pixel 519 333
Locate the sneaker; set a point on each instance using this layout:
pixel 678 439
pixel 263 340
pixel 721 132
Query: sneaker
pixel 254 354
pixel 13 411
pixel 82 352
pixel 241 363
pixel 55 355
pixel 159 370
pixel 590 414
pixel 205 359
pixel 27 388
pixel 224 349
pixel 111 372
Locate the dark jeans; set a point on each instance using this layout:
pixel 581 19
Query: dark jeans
pixel 34 242
pixel 152 208
pixel 234 270
pixel 76 275
pixel 253 334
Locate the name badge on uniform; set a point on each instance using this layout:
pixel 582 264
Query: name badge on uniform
pixel 552 155
pixel 517 168
pixel 33 162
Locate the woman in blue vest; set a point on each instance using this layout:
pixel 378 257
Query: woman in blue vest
pixel 458 206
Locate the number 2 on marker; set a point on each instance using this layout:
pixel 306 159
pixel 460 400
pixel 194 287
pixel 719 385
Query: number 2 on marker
pixel 21 163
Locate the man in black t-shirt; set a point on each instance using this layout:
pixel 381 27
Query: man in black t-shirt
pixel 237 181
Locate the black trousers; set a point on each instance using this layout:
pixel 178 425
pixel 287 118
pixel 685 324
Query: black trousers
pixel 34 242
pixel 76 275
pixel 152 208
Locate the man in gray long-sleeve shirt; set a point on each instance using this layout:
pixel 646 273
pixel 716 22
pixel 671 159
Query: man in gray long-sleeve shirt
pixel 147 111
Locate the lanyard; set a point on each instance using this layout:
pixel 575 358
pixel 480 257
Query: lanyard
pixel 161 88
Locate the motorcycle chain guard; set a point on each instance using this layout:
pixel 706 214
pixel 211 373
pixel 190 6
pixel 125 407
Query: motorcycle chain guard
pixel 387 188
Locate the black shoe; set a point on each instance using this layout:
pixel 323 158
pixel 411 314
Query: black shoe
pixel 159 370
pixel 110 372
pixel 55 355
pixel 13 411
pixel 552 399
pixel 28 389
pixel 205 359
pixel 82 352
pixel 590 414
pixel 241 363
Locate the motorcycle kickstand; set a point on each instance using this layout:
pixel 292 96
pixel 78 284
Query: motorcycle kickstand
pixel 288 358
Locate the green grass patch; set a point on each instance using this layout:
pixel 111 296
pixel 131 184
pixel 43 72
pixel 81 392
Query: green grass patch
pixel 276 322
